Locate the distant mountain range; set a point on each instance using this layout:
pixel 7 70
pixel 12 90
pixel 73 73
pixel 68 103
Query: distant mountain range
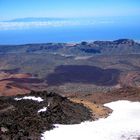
pixel 117 47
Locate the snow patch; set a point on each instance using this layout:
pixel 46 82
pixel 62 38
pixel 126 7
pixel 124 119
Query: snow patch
pixel 122 124
pixel 38 99
pixel 44 109
pixel 83 57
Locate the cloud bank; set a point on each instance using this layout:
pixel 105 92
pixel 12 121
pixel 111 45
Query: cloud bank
pixel 13 25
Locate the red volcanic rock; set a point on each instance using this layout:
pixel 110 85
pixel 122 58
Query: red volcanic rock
pixel 12 83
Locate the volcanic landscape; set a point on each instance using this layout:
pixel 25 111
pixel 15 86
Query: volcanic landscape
pixel 42 85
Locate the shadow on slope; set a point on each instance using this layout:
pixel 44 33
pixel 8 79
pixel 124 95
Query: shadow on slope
pixel 83 74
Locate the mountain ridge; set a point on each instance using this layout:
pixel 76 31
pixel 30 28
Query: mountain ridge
pixel 125 46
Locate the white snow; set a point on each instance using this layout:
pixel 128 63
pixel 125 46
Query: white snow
pixel 83 57
pixel 122 124
pixel 38 99
pixel 42 110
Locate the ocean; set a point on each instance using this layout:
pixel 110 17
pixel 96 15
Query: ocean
pixel 69 34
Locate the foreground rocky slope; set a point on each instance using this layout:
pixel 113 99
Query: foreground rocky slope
pixel 26 117
pixel 122 124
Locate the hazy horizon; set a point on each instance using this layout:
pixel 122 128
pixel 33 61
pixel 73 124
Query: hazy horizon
pixel 64 8
pixel 35 21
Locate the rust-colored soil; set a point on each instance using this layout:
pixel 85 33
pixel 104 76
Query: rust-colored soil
pixel 130 79
pixel 126 93
pixel 8 87
pixel 8 90
pixel 98 111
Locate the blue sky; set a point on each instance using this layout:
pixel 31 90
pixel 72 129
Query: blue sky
pixel 10 9
pixel 105 19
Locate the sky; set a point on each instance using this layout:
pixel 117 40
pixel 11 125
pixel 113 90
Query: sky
pixel 11 9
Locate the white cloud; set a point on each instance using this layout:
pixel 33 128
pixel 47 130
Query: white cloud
pixel 58 23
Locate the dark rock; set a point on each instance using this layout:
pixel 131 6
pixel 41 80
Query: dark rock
pixel 124 41
pixel 24 121
pixel 84 43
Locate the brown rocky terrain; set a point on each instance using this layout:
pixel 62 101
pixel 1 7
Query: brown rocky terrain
pixel 131 79
pixel 18 83
pixel 7 88
pixel 126 93
pixel 98 110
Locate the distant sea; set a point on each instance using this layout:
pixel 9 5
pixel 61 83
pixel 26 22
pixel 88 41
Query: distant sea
pixel 70 33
